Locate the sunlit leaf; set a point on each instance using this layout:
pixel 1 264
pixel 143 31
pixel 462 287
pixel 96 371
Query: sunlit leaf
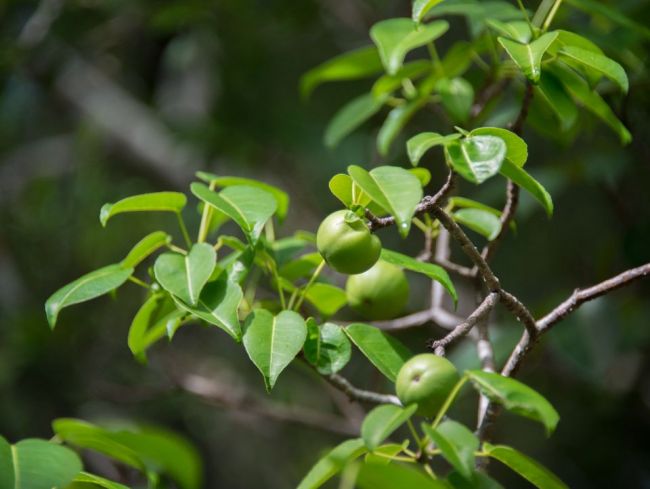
pixel 528 57
pixel 516 148
pixel 85 479
pixel 156 201
pixel 598 62
pixel 156 318
pixel 421 7
pixel 394 475
pixel 327 347
pixel 382 421
pixel 529 469
pixel 483 222
pixel 332 463
pixel 457 444
pixel 477 158
pixel 145 247
pixel 418 145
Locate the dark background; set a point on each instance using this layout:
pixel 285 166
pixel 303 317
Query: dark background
pixel 103 99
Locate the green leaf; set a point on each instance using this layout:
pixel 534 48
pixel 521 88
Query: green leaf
pixel 528 57
pixel 280 196
pixel 423 175
pixel 383 454
pixel 612 14
pixel 332 463
pixel 517 30
pixel 483 222
pixel 249 207
pixel 457 96
pixel 156 318
pixel 218 305
pixel 529 469
pixel 396 37
pixel 421 7
pixel 434 272
pixel 327 298
pixel 384 352
pixel 479 480
pixel 528 183
pixel 156 201
pixel 85 288
pixel 465 203
pixel 456 443
pixel 387 84
pixel 327 347
pixel 516 148
pixel 598 62
pixel 515 397
pixel 418 145
pixel 393 188
pixel 185 275
pixel 145 247
pixel 84 479
pixel 301 267
pixel 392 476
pixel 477 158
pixel 397 118
pixel 350 116
pixel 36 464
pixel 382 421
pixel 352 65
pixel 272 342
pixel 551 91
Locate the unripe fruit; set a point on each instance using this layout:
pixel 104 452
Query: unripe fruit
pixel 378 293
pixel 346 243
pixel 427 380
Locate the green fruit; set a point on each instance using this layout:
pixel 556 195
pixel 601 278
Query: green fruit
pixel 346 243
pixel 379 293
pixel 427 380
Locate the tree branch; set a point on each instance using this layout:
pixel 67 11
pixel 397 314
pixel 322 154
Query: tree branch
pixel 357 394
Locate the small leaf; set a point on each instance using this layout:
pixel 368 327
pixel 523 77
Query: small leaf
pixel 598 62
pixel 85 288
pixel 350 116
pixel 421 7
pixel 387 84
pixel 327 298
pixel 517 30
pixel 457 444
pixel 529 469
pixel 478 480
pixel 393 188
pixel 528 183
pixel 185 275
pixel 301 267
pixel 477 158
pixel 457 96
pixel 551 91
pixel 395 121
pixel 423 142
pixel 352 65
pixel 84 479
pixel 434 272
pixel 383 454
pixel 145 247
pixel 528 57
pixel 332 463
pixel 423 175
pixel 516 148
pixel 396 37
pixel 156 318
pixel 392 476
pixel 384 352
pixel 156 201
pixel 483 222
pixel 327 347
pixel 272 342
pixel 382 421
pixel 515 397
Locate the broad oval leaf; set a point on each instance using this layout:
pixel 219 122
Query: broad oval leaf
pixel 272 342
pixel 598 62
pixel 332 463
pixel 155 201
pixel 145 247
pixel 434 272
pixel 156 318
pixel 350 116
pixel 421 7
pixel 382 421
pixel 393 188
pixel 184 276
pixel 395 121
pixel 516 147
pixel 83 289
pixel 515 397
pixel 456 443
pixel 327 347
pixel 477 158
pixel 529 469
pixel 395 475
pixel 418 145
pixel 36 464
pixel 528 57
pixel 396 37
pixel 384 352
pixel 483 222
pixel 528 183
pixel 457 97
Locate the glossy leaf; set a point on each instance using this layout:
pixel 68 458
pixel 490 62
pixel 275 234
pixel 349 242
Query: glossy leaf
pixel 483 222
pixel 85 479
pixel 393 188
pixel 434 272
pixel 456 443
pixel 515 397
pixel 327 298
pixel 184 276
pixel 249 207
pixel 392 476
pixel 529 469
pixel 384 352
pixel 528 183
pixel 457 97
pixel 156 201
pixel 382 421
pixel 36 464
pixel 218 305
pixel 551 91
pixel 396 37
pixel 516 147
pixel 90 286
pixel 418 145
pixel 395 121
pixel 528 57
pixel 421 7
pixel 332 463
pixel 272 342
pixel 327 347
pixel 350 116
pixel 598 62
pixel 156 318
pixel 352 65
pixel 145 247
pixel 477 158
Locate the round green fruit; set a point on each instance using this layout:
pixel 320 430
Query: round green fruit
pixel 426 380
pixel 378 293
pixel 346 243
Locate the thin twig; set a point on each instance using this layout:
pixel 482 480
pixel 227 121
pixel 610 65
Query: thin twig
pixel 438 316
pixel 357 394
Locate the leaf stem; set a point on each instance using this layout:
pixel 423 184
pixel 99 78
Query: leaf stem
pixel 450 399
pixel 206 216
pixel 184 232
pixel 551 15
pixel 313 278
pixel 414 433
pixel 139 282
pixel 276 276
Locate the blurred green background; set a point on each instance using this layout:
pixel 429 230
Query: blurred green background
pixel 100 99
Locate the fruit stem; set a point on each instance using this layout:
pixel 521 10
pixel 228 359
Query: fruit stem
pixel 312 279
pixel 450 399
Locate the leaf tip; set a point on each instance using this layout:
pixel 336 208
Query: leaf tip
pixel 105 214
